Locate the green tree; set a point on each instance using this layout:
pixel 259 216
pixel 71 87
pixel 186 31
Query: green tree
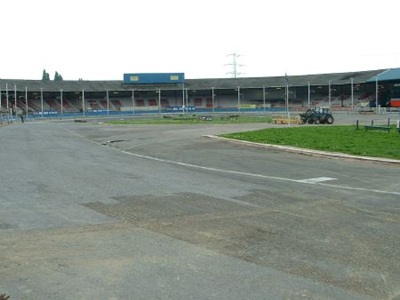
pixel 58 77
pixel 45 76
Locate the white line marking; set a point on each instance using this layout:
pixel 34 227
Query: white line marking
pixel 316 180
pixel 343 187
pixel 259 175
pixel 239 173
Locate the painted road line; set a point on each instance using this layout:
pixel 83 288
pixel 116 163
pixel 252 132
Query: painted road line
pixel 257 175
pixel 316 179
pixel 226 171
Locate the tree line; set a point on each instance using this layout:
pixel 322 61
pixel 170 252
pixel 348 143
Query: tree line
pixel 46 76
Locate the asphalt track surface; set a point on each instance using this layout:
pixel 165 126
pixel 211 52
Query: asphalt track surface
pixel 93 211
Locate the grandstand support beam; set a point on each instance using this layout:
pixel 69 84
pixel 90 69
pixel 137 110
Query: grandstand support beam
pixel 287 100
pixel 308 95
pixel 183 99
pixel 8 104
pixel 238 98
pixel 187 100
pixel 15 102
pixel 329 92
pixel 1 107
pixel 352 93
pixel 213 98
pixel 287 97
pixel 264 96
pixel 61 103
pixel 133 101
pixel 159 100
pixel 376 93
pixel 108 102
pixel 41 102
pixel 26 102
pixel 83 102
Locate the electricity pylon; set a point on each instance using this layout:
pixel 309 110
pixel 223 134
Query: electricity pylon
pixel 235 73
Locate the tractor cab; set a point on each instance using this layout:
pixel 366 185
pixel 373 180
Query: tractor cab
pixel 317 115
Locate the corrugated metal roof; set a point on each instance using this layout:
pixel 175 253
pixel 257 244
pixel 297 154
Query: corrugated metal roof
pixel 390 74
pixel 279 81
pixel 203 84
pixel 66 85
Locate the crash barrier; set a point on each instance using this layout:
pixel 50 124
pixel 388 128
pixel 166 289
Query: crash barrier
pixel 373 126
pixel 205 118
pixel 6 121
pixel 188 118
pixel 230 117
pixel 286 120
pixel 180 117
pixel 381 128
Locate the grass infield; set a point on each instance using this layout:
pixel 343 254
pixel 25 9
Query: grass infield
pixel 343 139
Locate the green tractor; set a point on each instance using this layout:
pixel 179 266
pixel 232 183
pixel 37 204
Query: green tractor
pixel 317 115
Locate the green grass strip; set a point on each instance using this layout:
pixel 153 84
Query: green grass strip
pixel 342 139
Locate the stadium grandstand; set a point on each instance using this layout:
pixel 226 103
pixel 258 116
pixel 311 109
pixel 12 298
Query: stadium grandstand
pixel 351 91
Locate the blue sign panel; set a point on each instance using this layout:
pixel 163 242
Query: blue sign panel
pixel 151 78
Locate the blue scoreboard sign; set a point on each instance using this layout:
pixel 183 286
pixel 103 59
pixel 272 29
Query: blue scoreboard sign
pixel 151 78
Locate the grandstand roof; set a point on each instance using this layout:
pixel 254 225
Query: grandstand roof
pixel 55 86
pixel 387 75
pixel 298 80
pixel 202 84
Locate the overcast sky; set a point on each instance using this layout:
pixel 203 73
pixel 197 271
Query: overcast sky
pixel 103 39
